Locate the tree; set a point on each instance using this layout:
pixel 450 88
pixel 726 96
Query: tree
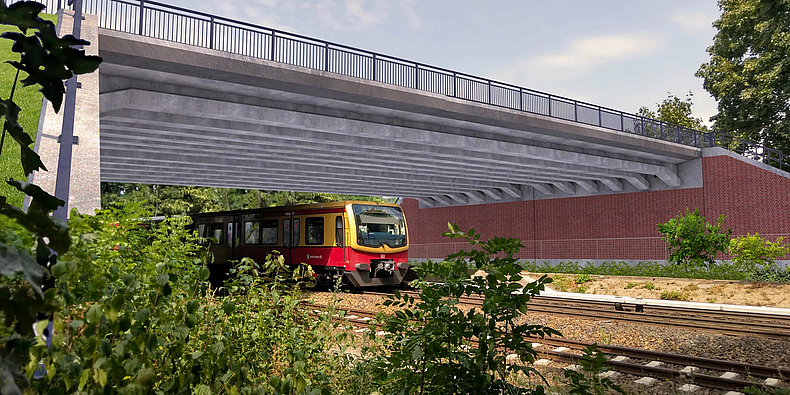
pixel 692 241
pixel 676 111
pixel 177 200
pixel 749 71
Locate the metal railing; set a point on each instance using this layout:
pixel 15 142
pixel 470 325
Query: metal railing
pixel 167 22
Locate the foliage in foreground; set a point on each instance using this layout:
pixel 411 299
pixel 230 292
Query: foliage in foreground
pixel 47 60
pixel 588 381
pixel 692 241
pixel 135 316
pixel 436 347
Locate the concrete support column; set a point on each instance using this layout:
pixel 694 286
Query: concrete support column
pixel 85 190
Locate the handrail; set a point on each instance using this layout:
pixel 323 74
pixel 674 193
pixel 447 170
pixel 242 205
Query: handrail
pixel 173 23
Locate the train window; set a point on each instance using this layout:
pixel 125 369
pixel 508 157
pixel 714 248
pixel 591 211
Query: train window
pixel 269 232
pixel 216 232
pixel 287 232
pixel 339 231
pixel 252 233
pixel 296 232
pixel 314 230
pixel 201 230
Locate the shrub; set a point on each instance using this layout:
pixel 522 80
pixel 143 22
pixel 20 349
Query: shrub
pixel 770 274
pixel 674 295
pixel 589 380
pixel 582 278
pixel 751 251
pixel 649 286
pixel 630 285
pixel 437 348
pixel 153 326
pixel 692 241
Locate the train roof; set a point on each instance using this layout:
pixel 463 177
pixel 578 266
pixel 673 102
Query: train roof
pixel 297 207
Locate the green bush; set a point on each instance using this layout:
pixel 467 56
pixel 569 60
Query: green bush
pixel 434 347
pixel 136 316
pixel 751 251
pixel 692 241
pixel 772 274
pixel 674 295
pixel 589 380
pixel 582 278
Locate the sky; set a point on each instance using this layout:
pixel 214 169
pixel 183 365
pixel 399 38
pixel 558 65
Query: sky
pixel 619 54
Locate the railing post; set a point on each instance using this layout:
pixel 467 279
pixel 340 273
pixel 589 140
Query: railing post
pixel 549 105
pixel 600 117
pixel 211 34
pixel 622 122
pixel 59 5
pixel 575 111
pixel 374 67
pixel 142 15
pixel 326 58
pixel 661 130
pixel 455 83
pixel 416 76
pixel 272 46
pixel 521 99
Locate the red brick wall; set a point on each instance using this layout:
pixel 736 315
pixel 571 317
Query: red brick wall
pixel 617 226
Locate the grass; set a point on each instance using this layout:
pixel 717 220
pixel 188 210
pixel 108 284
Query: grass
pixel 29 99
pixel 723 270
pixel 674 295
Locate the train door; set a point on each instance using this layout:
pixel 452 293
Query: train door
pixel 291 229
pixel 233 232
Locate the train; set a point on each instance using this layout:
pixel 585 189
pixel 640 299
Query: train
pixel 360 243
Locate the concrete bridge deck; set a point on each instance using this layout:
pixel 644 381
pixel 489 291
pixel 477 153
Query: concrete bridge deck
pixel 178 114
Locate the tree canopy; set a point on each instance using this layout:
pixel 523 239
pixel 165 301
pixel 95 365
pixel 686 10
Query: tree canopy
pixel 174 200
pixel 676 111
pixel 749 71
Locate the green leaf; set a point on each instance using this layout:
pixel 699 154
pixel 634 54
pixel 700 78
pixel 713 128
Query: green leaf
pixel 84 379
pixel 13 261
pixel 94 314
pixel 229 307
pixel 202 389
pixel 204 273
pixel 162 279
pixel 192 306
pixel 23 15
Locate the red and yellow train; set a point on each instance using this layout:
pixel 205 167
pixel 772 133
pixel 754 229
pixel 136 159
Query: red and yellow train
pixel 362 243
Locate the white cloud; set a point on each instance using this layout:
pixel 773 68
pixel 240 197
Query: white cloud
pixel 587 53
pixel 582 56
pixel 694 21
pixel 352 15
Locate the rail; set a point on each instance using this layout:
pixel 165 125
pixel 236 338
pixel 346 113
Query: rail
pixel 172 23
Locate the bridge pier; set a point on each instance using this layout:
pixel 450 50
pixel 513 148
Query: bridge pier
pixel 85 190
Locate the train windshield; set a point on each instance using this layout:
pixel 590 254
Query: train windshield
pixel 379 225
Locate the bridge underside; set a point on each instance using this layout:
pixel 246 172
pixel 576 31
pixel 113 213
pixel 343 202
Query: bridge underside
pixel 182 115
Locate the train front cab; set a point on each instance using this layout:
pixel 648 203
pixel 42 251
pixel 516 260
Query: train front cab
pixel 379 245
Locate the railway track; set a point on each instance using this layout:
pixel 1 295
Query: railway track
pixel 651 367
pixel 771 323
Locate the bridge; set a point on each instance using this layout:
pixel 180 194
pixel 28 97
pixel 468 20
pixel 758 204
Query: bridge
pixel 187 98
